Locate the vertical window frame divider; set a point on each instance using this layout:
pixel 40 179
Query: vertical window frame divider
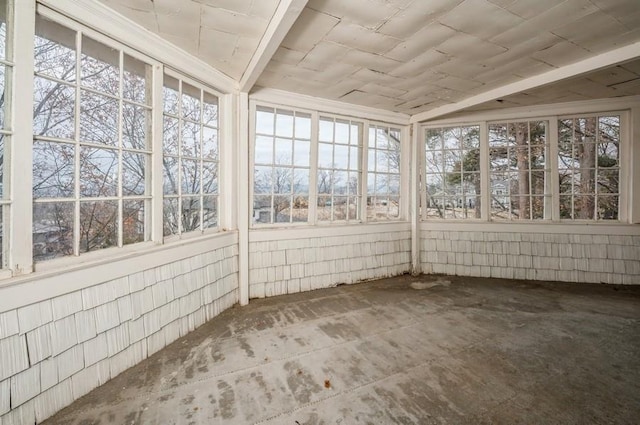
pixel 421 174
pixel 76 143
pixel 485 168
pixel 552 173
pixel 405 170
pixel 625 167
pixel 364 171
pixel 313 168
pixel 18 232
pixel 157 183
pixel 120 148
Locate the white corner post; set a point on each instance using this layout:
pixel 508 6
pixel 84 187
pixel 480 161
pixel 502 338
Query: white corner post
pixel 19 150
pixel 243 195
pixel 633 129
pixel 415 200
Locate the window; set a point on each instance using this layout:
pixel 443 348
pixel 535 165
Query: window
pixel 190 158
pixel 338 177
pixel 589 167
pixel 452 176
pixel 383 179
pixel 519 173
pixel 282 158
pixel 5 122
pixel 91 148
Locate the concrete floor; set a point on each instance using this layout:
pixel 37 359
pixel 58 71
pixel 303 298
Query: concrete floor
pixel 475 351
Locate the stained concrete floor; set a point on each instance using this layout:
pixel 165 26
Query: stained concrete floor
pixel 475 351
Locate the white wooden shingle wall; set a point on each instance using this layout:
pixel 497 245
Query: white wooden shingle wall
pixel 565 257
pixel 287 266
pixel 58 350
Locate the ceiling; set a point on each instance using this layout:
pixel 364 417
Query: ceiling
pixel 409 56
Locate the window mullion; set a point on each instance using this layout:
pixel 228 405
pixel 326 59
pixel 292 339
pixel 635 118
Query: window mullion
pixel 485 180
pixel 364 172
pixel 18 227
pixel 552 173
pixel 76 215
pixel 155 180
pixel 120 223
pixel 313 169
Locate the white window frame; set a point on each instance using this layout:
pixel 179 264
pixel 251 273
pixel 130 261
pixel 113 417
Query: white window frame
pixel 81 31
pixel 221 154
pixel 569 110
pixel 316 114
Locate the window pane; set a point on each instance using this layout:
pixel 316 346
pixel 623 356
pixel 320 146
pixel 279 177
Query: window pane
pixel 261 209
pixel 190 102
pixel 170 136
pixel 210 143
pixel 300 209
pixel 210 212
pixel 263 180
pixel 282 208
pixel 133 173
pixel 190 214
pixel 300 181
pixel 326 130
pixel 98 118
pixel 284 123
pixel 283 155
pixel 98 225
pixel 210 110
pixel 170 175
pixel 53 170
pixel 98 172
pixel 99 68
pixel 210 177
pixel 170 95
pixel 134 83
pixel 54 50
pixel 282 178
pixel 264 121
pixel 53 109
pixel 135 121
pixel 171 216
pixel 325 155
pixel 52 230
pixel 303 126
pixel 302 153
pixel 190 176
pixel 453 165
pixel 264 150
pixel 132 221
pixel 190 139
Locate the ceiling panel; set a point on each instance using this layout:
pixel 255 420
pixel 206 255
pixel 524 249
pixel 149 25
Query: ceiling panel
pixel 223 33
pixel 407 56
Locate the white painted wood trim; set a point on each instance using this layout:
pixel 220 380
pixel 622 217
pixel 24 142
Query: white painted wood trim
pixel 100 17
pixel 38 286
pixel 19 152
pixel 584 66
pixel 634 165
pixel 156 157
pixel 228 157
pixel 485 178
pixel 570 228
pixel 541 111
pixel 243 195
pixel 283 19
pixel 289 99
pixel 552 137
pixel 262 235
pixel 416 164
